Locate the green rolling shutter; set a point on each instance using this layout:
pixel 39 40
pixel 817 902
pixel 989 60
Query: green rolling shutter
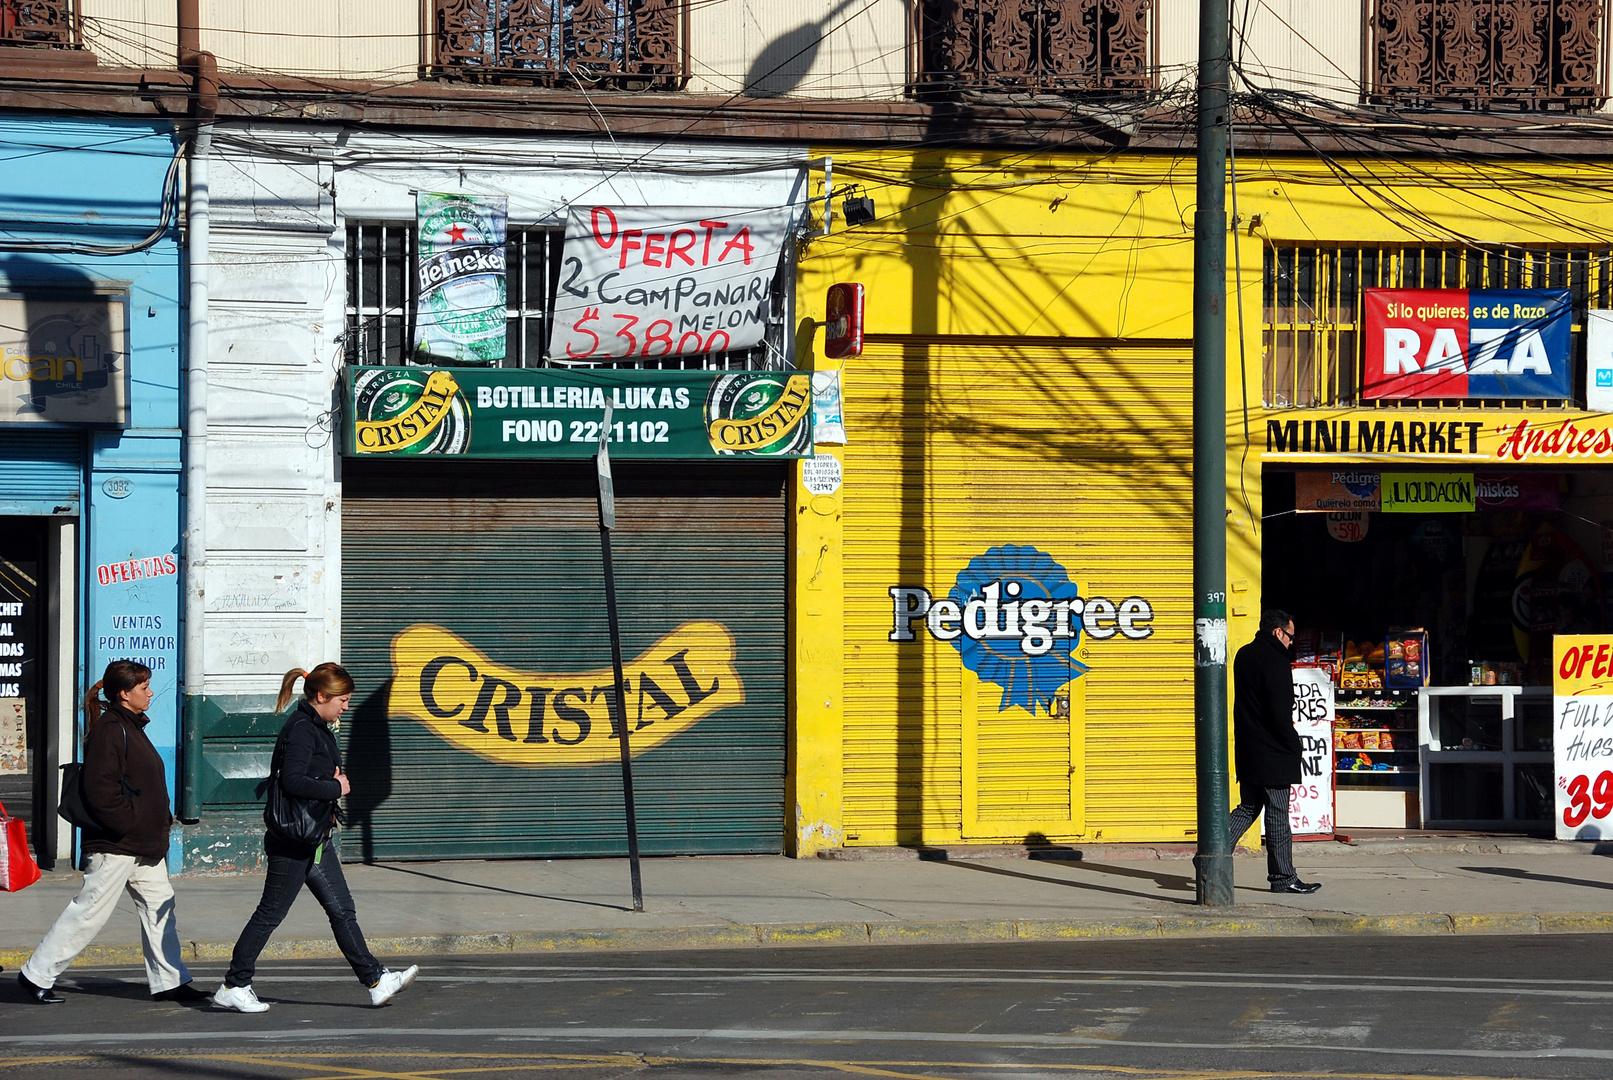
pixel 497 567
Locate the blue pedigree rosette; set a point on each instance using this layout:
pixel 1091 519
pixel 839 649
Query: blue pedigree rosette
pixel 1021 573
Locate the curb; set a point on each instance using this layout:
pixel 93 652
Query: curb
pixel 1321 850
pixel 890 933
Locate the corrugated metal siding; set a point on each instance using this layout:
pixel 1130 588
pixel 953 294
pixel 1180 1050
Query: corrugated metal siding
pixel 355 39
pixel 40 471
pixel 1085 453
pixel 507 557
pixel 1284 44
pixel 132 33
pixel 819 48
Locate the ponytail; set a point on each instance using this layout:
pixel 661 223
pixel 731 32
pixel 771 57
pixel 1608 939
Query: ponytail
pixel 285 687
pixel 329 679
pixel 92 705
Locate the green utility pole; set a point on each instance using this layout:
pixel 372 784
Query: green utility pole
pixel 1213 864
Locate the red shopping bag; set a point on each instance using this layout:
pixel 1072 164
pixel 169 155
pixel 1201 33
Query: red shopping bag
pixel 17 867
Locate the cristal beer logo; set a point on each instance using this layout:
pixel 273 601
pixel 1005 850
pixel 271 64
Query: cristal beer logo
pixel 404 410
pixel 532 718
pixel 1016 619
pixel 763 414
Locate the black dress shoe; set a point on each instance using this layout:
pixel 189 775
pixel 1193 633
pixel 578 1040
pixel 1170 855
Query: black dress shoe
pixel 185 993
pixel 1297 886
pixel 44 995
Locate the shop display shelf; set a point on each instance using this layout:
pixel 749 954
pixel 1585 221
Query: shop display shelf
pixel 1371 708
pixel 1396 730
pixel 1373 772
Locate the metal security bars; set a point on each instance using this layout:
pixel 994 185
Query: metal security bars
pixel 1020 46
pixel 1521 54
pixel 566 44
pixel 381 294
pixel 41 23
pixel 1312 354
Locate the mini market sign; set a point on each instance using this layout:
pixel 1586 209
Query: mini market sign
pixel 557 413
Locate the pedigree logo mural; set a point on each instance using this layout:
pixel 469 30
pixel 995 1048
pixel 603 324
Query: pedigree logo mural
pixel 543 719
pixel 1017 620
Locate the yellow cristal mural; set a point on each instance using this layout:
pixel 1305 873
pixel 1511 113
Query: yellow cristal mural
pixel 542 719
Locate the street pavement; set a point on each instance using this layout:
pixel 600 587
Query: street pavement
pixel 1453 886
pixel 1389 1008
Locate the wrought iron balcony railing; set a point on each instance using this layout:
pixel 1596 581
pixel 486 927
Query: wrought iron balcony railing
pixel 1522 54
pixel 40 23
pixel 567 44
pixel 1036 46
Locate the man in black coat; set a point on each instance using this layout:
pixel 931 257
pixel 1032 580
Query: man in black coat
pixel 1269 752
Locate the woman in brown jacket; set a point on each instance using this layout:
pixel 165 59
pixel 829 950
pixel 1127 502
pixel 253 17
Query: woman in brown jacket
pixel 127 791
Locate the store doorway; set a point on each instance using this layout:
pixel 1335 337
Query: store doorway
pixel 24 597
pixel 1487 589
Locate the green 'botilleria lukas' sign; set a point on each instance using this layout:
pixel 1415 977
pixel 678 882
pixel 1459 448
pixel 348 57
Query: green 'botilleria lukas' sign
pixel 556 413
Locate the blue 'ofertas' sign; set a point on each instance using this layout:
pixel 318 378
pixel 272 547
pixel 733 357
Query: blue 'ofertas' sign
pixel 1016 619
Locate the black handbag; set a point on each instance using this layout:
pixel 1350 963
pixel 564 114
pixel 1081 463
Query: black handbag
pixel 73 807
pixel 301 821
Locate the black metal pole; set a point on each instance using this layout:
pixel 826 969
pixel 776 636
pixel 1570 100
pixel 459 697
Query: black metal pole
pixel 621 719
pixel 1213 864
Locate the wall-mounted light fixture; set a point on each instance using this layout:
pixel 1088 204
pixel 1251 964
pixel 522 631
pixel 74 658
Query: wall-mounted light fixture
pixel 858 207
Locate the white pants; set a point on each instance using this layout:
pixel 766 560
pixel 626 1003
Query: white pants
pixel 147 883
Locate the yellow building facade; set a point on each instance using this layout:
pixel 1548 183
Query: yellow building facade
pixel 1021 414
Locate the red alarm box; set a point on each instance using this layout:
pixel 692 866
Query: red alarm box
pixel 843 321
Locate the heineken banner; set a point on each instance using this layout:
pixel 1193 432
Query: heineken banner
pixel 665 281
pixel 556 413
pixel 460 313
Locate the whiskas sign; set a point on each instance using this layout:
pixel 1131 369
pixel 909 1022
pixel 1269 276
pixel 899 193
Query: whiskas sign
pixel 1455 343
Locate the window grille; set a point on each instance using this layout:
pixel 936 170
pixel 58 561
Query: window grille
pixel 381 293
pixel 566 44
pixel 1029 46
pixel 1313 341
pixel 40 23
pixel 1520 54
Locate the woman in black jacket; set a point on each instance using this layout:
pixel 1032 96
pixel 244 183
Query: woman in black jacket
pixel 126 789
pixel 307 765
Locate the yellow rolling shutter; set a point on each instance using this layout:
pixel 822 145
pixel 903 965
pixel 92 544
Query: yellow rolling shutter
pixel 1076 454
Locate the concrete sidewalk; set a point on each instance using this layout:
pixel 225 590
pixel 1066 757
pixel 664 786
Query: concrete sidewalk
pixel 1454 886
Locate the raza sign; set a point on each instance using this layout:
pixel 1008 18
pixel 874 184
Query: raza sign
pixel 1458 343
pixel 550 413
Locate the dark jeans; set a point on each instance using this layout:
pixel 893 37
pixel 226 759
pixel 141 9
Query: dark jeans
pixel 1279 840
pixel 290 868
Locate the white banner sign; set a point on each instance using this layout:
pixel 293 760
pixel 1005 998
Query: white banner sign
pixel 1310 802
pixel 646 282
pixel 1599 361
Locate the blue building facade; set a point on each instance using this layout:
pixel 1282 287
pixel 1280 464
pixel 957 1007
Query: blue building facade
pixel 91 316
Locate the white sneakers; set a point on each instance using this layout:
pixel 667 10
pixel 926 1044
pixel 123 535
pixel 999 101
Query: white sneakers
pixel 245 999
pixel 392 984
pixel 240 998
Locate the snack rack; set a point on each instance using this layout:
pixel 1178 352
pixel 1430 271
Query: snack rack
pixel 1375 734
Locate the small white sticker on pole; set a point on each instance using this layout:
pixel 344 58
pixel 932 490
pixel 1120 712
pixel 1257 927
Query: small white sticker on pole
pixel 607 489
